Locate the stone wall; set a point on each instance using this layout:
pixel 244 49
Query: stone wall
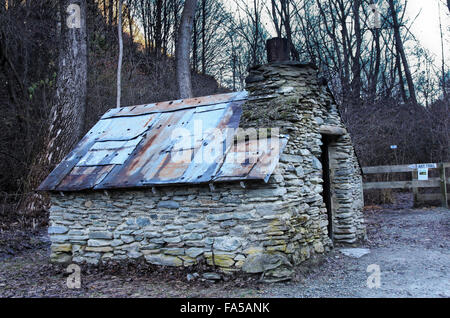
pixel 291 96
pixel 260 228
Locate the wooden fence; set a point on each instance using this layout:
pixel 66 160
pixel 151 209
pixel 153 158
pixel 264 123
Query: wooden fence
pixel 414 183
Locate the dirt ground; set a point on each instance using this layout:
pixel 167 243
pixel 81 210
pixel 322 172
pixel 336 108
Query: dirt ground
pixel 410 246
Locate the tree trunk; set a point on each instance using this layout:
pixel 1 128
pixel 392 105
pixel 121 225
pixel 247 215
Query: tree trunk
pixel 356 65
pixel 175 9
pixel 183 49
pixel 194 46
pixel 166 27
pixel 444 85
pixel 144 25
pixel 110 12
pixel 203 37
pixel 346 52
pixel 287 26
pixel 376 72
pixel 119 64
pixel 130 24
pixel 401 82
pixel 158 28
pixel 256 39
pixel 234 70
pixel 400 49
pixel 66 122
pixel 275 18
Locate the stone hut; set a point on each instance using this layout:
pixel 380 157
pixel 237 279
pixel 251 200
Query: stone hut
pixel 256 181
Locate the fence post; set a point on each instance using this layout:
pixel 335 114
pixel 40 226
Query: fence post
pixel 443 185
pixel 415 190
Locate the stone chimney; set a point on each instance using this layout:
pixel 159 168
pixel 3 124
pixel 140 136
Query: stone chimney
pixel 277 50
pixel 290 96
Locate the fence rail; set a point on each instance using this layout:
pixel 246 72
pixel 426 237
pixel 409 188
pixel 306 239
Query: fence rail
pixel 414 183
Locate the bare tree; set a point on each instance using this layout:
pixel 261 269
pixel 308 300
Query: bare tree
pixel 356 65
pixel 211 41
pixel 69 108
pixel 183 49
pixel 281 16
pixel 204 36
pixel 110 12
pixel 130 22
pixel 158 27
pixel 375 71
pixel 66 124
pixel 442 52
pixel 248 26
pixel 119 64
pixel 401 52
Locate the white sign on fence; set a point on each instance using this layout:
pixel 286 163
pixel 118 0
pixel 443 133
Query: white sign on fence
pixel 426 165
pixel 422 174
pixel 423 165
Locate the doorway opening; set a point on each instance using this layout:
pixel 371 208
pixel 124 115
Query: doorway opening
pixel 326 176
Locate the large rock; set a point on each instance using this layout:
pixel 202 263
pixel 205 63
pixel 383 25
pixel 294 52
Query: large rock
pixel 318 247
pixel 61 247
pixel 143 221
pixel 227 243
pixel 61 258
pixel 194 252
pixel 316 163
pixel 99 249
pixel 279 274
pixel 259 263
pixel 354 252
pixel 221 260
pixel 211 276
pixel 98 243
pixel 168 205
pixel 101 235
pixel 164 260
pixel 57 230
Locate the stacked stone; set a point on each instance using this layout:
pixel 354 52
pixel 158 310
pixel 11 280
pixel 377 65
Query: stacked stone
pixel 292 97
pixel 232 228
pixel 347 192
pixel 346 186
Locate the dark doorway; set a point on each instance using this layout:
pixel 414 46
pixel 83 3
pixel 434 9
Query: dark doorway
pixel 325 160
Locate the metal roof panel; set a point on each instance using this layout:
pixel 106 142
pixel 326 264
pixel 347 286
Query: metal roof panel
pixel 176 142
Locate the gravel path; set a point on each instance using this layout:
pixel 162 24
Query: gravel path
pixel 410 246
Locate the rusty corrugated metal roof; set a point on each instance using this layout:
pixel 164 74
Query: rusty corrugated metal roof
pixel 176 142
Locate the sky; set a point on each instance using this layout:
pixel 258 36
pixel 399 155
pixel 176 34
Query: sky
pixel 426 26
